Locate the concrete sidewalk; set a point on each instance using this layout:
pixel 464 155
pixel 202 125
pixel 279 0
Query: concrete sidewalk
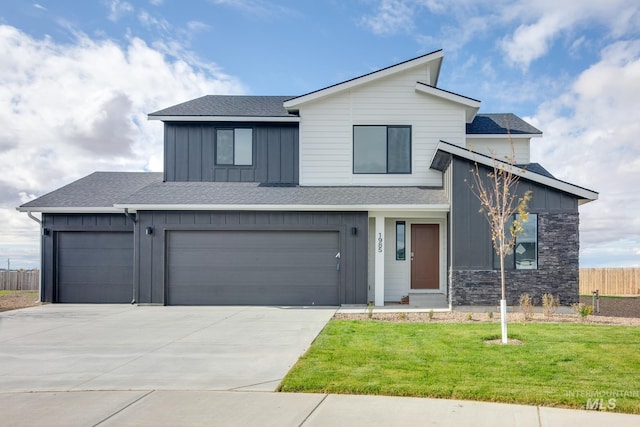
pixel 228 408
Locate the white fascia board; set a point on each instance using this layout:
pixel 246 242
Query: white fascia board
pixel 583 193
pixel 292 104
pixel 65 210
pixel 504 135
pixel 471 105
pixel 394 208
pixel 224 119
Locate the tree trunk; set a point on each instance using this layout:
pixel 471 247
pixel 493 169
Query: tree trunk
pixel 503 301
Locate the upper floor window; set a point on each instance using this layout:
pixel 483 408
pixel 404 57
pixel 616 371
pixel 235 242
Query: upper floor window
pixel 234 147
pixel 382 149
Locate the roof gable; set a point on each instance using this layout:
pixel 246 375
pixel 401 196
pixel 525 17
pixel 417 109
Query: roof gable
pixel 440 161
pixel 433 59
pixel 471 105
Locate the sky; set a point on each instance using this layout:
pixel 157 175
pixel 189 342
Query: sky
pixel 77 79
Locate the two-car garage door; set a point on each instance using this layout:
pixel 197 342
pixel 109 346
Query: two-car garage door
pixel 253 267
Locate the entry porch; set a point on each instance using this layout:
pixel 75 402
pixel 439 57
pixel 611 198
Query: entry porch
pixel 408 259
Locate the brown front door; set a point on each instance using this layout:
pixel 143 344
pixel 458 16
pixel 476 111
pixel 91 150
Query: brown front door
pixel 425 256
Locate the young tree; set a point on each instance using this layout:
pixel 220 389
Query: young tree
pixel 497 191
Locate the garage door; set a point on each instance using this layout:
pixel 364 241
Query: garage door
pixel 94 267
pixel 252 267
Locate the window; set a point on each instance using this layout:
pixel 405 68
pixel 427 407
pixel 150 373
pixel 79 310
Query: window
pixel 234 147
pixel 400 241
pixel 526 247
pixel 524 255
pixel 381 149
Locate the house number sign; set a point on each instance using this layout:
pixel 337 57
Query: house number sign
pixel 380 242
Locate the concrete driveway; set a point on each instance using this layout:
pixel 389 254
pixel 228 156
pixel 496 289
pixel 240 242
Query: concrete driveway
pixel 121 347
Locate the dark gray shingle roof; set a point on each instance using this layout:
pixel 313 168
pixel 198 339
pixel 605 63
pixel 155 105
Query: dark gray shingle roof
pixel 235 193
pixel 500 124
pixel 98 190
pixel 230 105
pixel 536 168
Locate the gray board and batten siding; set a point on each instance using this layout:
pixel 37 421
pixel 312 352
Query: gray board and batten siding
pixel 475 281
pixel 190 153
pixel 168 271
pixel 87 258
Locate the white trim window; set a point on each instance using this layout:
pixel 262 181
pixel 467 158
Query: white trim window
pixel 381 149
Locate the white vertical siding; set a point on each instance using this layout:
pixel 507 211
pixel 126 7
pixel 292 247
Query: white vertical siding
pixel 326 130
pixel 500 147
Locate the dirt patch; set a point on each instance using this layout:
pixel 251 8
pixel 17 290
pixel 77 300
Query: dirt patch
pixel 616 307
pixel 510 341
pixel 12 300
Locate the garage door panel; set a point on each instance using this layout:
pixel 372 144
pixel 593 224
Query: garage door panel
pixel 94 267
pixel 253 267
pixel 249 295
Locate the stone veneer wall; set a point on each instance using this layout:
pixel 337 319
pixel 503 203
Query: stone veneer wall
pixel 557 273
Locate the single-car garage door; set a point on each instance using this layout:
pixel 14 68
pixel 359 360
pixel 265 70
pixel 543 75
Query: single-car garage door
pixel 94 267
pixel 252 267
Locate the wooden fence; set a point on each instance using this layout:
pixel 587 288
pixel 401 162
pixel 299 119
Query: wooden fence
pixel 21 280
pixel 610 281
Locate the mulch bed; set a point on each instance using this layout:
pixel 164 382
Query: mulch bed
pixel 616 307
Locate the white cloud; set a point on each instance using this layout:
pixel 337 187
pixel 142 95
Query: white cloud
pixel 391 16
pixel 117 9
pixel 71 109
pixel 546 20
pixel 591 139
pixel 256 7
pixel 39 6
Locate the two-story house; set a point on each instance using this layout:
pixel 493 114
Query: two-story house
pixel 353 193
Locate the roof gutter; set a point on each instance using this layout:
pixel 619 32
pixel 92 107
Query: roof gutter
pixel 265 207
pixel 274 119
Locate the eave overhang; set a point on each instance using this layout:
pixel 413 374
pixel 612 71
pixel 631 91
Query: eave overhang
pixel 70 209
pixel 438 162
pixel 270 119
pixel 471 105
pixel 265 207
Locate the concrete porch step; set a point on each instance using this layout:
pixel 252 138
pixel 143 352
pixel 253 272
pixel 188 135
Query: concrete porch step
pixel 428 300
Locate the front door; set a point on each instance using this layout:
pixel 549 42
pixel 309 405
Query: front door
pixel 425 256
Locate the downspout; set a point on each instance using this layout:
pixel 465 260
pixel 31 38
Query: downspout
pixel 30 215
pixel 39 221
pixel 129 215
pixel 135 256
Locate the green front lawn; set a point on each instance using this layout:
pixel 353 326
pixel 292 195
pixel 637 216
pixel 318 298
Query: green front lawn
pixel 562 364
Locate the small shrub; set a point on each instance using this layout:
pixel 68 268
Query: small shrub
pixel 583 310
pixel 370 310
pixel 402 315
pixel 430 314
pixel 550 304
pixel 526 306
pixel 490 314
pixel 469 316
